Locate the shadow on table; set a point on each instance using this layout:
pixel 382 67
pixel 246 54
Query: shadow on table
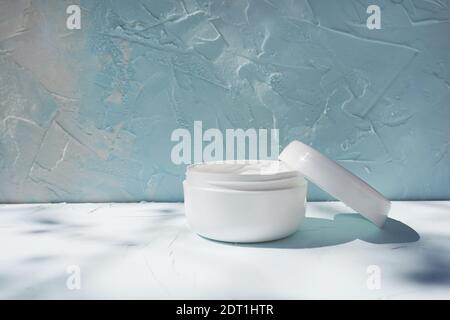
pixel 318 232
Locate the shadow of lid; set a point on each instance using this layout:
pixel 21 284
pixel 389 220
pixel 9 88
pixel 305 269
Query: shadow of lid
pixel 319 232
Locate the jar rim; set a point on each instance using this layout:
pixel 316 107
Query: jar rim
pixel 241 170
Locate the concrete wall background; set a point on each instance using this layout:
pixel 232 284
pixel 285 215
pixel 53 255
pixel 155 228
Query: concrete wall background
pixel 86 115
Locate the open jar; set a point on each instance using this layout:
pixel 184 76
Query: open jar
pixel 244 201
pixel 263 200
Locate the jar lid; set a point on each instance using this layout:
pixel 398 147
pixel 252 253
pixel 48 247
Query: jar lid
pixel 337 181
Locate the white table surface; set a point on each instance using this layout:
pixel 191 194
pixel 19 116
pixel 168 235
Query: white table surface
pixel 146 251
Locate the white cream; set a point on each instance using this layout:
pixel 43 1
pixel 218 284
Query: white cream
pixel 243 167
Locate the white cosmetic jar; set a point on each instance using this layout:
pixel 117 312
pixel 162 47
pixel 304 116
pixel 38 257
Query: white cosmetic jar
pixel 244 201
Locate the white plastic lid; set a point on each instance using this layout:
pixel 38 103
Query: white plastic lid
pixel 337 181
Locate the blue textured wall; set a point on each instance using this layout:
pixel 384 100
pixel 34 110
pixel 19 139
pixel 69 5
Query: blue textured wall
pixel 86 115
